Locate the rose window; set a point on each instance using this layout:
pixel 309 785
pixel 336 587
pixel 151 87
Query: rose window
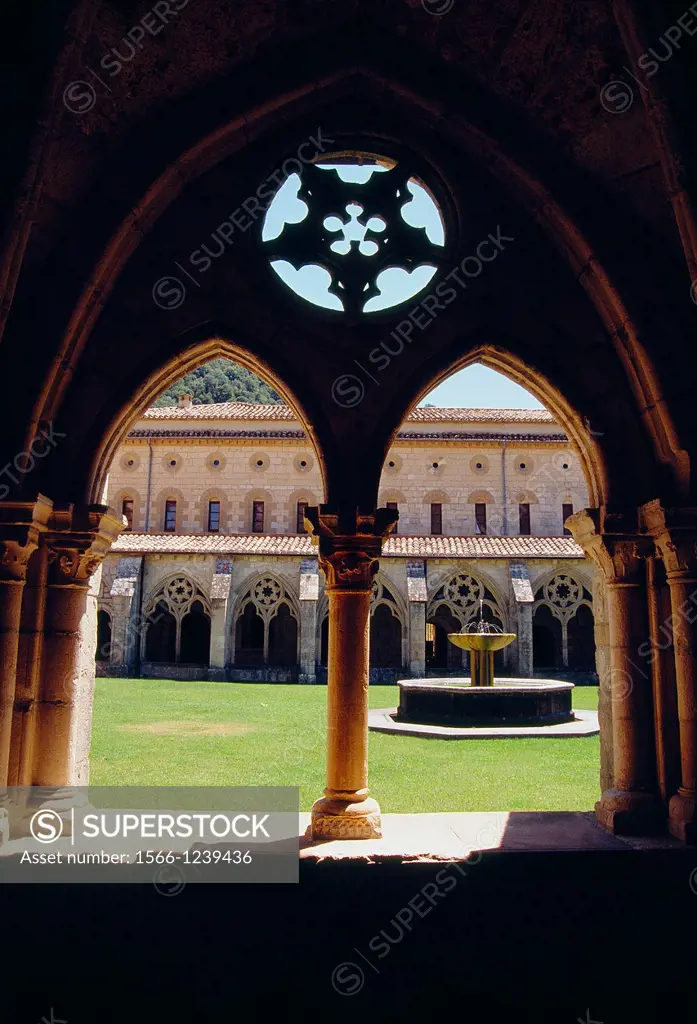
pixel 267 592
pixel 357 233
pixel 179 591
pixel 464 591
pixel 562 591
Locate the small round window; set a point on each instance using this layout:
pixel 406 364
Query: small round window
pixel 356 233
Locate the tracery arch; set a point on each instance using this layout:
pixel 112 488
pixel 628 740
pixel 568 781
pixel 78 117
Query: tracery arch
pixel 387 626
pixel 563 622
pixel 178 622
pixel 454 601
pixel 266 623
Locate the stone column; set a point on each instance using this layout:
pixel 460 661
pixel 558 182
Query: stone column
pixel 77 540
pixel 632 805
pixel 219 597
pixel 675 535
pixel 309 592
pixel 602 665
pixel 417 594
pixel 349 547
pixel 524 600
pixel 21 524
pixel 124 595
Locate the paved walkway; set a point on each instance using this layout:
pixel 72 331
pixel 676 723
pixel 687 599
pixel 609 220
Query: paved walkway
pixel 448 836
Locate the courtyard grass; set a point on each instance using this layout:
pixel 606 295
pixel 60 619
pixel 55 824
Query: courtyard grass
pixel 161 732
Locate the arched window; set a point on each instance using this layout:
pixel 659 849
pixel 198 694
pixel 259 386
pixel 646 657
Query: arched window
pixel 283 637
pixel 266 630
pixel 178 624
pixel 385 628
pixel 563 630
pixel 161 635
pixel 195 636
pixel 581 640
pixel 103 652
pixel 324 642
pixel 546 640
pixel 385 639
pixel 249 637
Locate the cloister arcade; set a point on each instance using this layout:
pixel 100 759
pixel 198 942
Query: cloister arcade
pixel 572 284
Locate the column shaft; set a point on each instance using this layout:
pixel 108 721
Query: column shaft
pixel 631 805
pixel 633 760
pixel 347 694
pixel 417 639
pixel 10 612
pixel 683 805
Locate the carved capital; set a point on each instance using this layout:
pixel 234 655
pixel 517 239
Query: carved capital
pixel 78 539
pixel 349 544
pixel 674 532
pixel 619 557
pixel 21 525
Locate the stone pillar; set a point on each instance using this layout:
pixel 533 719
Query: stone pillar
pixel 125 627
pixel 632 805
pixel 525 649
pixel 524 600
pixel 602 665
pixel 675 535
pixel 21 524
pixel 349 547
pixel 309 593
pixel 219 597
pixel 417 594
pixel 77 540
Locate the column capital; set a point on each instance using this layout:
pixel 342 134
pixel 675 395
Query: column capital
pixel 349 544
pixel 21 525
pixel 78 538
pixel 618 555
pixel 674 532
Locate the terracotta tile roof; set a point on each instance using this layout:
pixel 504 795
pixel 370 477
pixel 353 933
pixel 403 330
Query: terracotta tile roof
pixel 249 411
pixel 423 415
pixel 223 411
pixel 484 547
pixel 301 544
pixel 210 543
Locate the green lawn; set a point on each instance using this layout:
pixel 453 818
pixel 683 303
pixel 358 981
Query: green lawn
pixel 160 732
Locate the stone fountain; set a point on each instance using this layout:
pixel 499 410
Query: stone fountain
pixel 482 700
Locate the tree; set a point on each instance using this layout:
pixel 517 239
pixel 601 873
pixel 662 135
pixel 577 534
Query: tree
pixel 220 381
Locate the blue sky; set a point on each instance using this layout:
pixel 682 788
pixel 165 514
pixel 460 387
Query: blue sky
pixel 478 387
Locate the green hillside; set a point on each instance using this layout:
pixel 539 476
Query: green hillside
pixel 220 381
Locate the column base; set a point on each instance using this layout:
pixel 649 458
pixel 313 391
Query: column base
pixel 682 816
pixel 630 813
pixel 345 819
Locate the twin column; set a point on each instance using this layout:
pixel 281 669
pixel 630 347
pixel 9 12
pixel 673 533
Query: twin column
pixel 626 553
pixel 46 637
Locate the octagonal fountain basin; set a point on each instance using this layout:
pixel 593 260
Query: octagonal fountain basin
pixel 509 702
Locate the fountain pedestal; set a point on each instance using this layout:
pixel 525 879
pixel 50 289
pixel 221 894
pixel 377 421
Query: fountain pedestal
pixel 481 647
